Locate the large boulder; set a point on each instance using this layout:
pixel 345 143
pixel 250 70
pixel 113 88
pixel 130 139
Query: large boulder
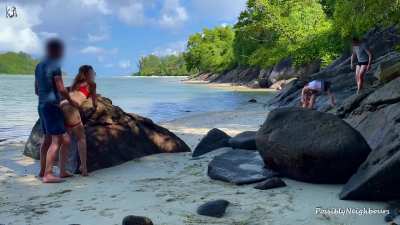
pixel 245 140
pixel 286 69
pixel 114 137
pixel 377 118
pixel 239 167
pixel 213 140
pixel 311 146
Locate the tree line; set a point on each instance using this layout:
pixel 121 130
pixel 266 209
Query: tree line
pixel 268 31
pixel 17 63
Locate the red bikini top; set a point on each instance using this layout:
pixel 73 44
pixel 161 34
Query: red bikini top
pixel 84 89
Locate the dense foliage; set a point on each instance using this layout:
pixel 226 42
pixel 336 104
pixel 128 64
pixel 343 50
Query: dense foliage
pixel 271 30
pixel 171 65
pixel 211 50
pixel 268 31
pixel 17 63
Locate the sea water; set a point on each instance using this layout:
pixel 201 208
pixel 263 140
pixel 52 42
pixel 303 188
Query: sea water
pixel 161 99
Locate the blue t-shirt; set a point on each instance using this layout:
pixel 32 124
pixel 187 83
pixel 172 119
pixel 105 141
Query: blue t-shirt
pixel 44 74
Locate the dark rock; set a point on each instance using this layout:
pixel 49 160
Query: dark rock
pixel 310 146
pixel 215 208
pixel 213 140
pixel 136 220
pixel 285 70
pixel 239 167
pixel 378 118
pixel 253 100
pixel 271 183
pixel 114 137
pixel 245 140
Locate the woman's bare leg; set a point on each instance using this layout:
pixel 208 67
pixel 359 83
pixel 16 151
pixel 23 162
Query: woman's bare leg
pixel 66 141
pixel 358 76
pixel 79 132
pixel 312 101
pixel 43 153
pixel 361 74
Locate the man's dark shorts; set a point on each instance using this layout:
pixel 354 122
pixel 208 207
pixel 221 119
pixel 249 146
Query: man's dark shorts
pixel 52 119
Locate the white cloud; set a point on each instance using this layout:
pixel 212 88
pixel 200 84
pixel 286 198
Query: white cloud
pixel 93 50
pixel 132 14
pixel 101 5
pixel 97 37
pixel 174 48
pixel 98 50
pixel 47 35
pixel 16 34
pixel 172 14
pixel 125 64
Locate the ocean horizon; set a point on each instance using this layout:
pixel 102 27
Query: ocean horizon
pixel 159 98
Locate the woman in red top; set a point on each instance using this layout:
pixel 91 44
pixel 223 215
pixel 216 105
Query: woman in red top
pixel 82 90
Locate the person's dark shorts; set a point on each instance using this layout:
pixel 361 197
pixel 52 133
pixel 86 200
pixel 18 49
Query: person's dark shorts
pixel 51 119
pixel 362 63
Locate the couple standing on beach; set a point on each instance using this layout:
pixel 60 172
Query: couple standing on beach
pixel 59 111
pixel 317 87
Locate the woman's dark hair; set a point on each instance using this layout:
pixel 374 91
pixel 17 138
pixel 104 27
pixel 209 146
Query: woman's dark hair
pixel 356 40
pixel 82 76
pixel 327 85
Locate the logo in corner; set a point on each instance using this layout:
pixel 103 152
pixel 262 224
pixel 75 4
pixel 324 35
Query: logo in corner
pixel 11 12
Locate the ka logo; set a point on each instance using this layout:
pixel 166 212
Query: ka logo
pixel 11 11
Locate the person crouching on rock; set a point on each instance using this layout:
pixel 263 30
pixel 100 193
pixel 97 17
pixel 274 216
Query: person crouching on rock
pixel 49 87
pixel 364 58
pixel 312 90
pixel 83 88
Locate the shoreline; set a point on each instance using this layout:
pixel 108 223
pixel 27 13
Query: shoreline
pixel 168 188
pixel 230 86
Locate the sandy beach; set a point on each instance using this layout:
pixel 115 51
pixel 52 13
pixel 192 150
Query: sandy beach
pixel 167 188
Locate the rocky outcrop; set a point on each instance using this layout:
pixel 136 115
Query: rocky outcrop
pixel 374 113
pixel 213 140
pixel 214 208
pixel 245 140
pixel 114 137
pixel 310 146
pixel 377 117
pixel 261 78
pixel 136 220
pixel 274 182
pixel 239 167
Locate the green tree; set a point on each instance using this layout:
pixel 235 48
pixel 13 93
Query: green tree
pixel 171 65
pixel 271 30
pixel 211 50
pixel 354 18
pixel 17 63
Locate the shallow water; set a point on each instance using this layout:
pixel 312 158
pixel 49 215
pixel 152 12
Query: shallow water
pixel 161 99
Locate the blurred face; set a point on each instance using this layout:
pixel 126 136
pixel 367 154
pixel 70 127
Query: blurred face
pixel 56 53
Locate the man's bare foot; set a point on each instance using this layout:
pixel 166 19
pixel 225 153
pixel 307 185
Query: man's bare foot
pixel 50 178
pixel 66 174
pixel 84 171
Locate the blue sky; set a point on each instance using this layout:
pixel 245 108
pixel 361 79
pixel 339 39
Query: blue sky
pixel 111 35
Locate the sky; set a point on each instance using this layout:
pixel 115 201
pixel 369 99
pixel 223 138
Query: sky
pixel 111 35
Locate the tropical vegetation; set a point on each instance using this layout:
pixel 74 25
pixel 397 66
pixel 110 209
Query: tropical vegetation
pixel 17 63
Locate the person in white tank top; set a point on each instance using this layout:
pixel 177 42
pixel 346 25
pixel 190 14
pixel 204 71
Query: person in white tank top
pixel 312 90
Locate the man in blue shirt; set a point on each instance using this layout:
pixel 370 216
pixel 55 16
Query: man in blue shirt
pixel 49 87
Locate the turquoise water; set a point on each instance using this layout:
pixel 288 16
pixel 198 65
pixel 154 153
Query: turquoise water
pixel 161 99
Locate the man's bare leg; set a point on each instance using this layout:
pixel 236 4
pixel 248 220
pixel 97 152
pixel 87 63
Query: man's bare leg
pixel 65 143
pixel 43 153
pixel 50 159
